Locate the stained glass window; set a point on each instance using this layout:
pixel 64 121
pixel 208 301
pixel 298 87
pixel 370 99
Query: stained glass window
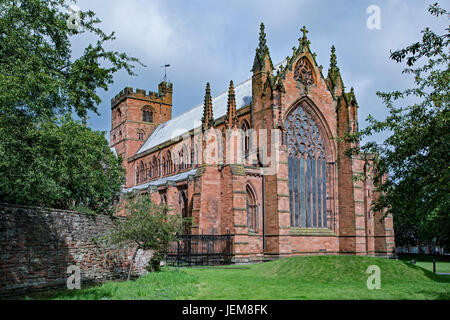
pixel 246 142
pixel 307 171
pixel 303 71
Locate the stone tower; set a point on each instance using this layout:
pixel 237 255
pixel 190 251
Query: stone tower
pixel 134 116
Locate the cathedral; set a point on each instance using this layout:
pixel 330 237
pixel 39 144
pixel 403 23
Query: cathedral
pixel 260 162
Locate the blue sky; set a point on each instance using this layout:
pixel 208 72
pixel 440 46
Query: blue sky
pixel 215 41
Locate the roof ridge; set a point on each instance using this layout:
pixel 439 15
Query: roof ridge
pixel 145 146
pixel 220 94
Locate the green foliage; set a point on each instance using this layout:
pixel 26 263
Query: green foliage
pixel 60 164
pixel 44 161
pixel 155 262
pixel 39 76
pixel 148 226
pixel 412 165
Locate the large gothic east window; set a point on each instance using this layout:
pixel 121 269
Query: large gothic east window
pixel 307 171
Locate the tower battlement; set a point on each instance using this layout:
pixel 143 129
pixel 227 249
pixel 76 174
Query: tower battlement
pixel 164 94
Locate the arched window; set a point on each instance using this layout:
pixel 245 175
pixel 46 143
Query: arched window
pixel 180 160
pixel 185 157
pixel 303 71
pixel 252 211
pixel 164 166
pixel 196 156
pixel 155 167
pixel 141 172
pixel 150 170
pixel 159 168
pixel 307 170
pixel 166 161
pixel 147 114
pixel 246 138
pixel 141 135
pixel 147 175
pixel 183 202
pixel 169 162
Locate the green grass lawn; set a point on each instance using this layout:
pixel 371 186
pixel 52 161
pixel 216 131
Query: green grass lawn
pixel 426 262
pixel 314 277
pixel 441 267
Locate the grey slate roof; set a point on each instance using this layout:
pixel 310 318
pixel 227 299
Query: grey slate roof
pixel 156 183
pixel 193 118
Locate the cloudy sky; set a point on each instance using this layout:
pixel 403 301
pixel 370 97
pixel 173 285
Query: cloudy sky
pixel 215 41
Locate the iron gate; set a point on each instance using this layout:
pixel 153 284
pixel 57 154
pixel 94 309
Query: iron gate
pixel 201 249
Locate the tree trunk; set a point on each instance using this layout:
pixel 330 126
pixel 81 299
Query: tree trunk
pixel 132 262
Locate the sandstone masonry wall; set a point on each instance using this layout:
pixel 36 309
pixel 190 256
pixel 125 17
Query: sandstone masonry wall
pixel 37 245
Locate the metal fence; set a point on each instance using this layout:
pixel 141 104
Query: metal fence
pixel 200 250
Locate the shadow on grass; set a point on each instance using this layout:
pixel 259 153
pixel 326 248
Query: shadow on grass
pixel 95 289
pixel 436 295
pixel 168 284
pixel 430 275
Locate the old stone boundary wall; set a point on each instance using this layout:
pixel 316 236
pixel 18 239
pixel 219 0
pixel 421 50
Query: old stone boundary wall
pixel 37 245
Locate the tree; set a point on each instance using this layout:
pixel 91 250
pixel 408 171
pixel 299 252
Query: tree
pixel 148 226
pixel 412 164
pixel 60 164
pixel 45 157
pixel 39 76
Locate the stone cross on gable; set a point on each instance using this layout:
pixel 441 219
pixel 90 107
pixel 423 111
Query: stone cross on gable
pixel 304 40
pixel 305 31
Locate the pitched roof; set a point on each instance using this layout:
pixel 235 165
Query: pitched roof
pixel 192 119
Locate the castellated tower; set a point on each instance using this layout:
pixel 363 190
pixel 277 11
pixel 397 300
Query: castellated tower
pixel 135 115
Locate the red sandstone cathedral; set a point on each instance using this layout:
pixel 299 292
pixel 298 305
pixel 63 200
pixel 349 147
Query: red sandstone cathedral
pixel 259 161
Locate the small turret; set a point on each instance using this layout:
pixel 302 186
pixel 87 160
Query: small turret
pixel 262 61
pixel 334 75
pixel 231 119
pixel 165 89
pixel 208 117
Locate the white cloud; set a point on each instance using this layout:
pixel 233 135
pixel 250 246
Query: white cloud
pixel 216 41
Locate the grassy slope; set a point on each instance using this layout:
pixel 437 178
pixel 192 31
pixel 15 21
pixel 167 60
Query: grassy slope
pixel 322 277
pixel 317 277
pixel 171 284
pixel 443 267
pixel 426 262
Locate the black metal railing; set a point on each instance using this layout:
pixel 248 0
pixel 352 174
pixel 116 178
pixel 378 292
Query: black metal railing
pixel 200 250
